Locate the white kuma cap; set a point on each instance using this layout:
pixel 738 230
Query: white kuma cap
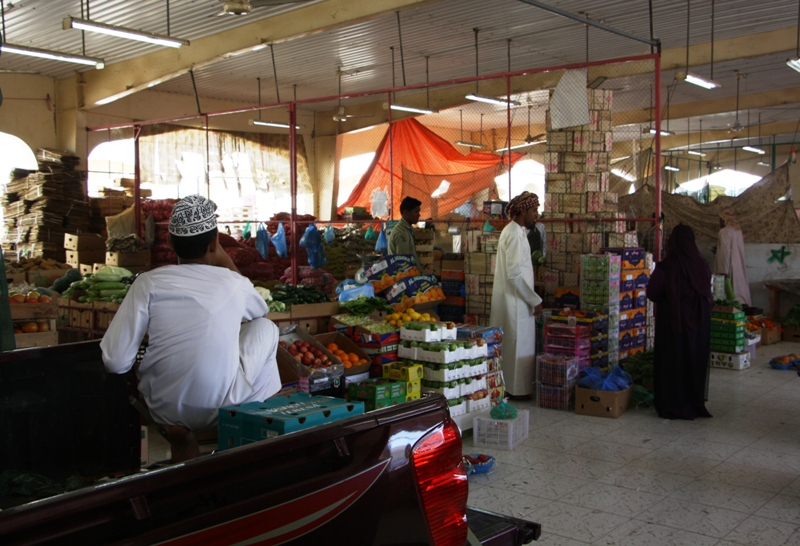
pixel 193 215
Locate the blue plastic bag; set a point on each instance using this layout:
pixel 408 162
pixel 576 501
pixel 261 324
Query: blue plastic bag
pixel 330 235
pixel 354 291
pixel 592 378
pixel 597 380
pixel 262 241
pixel 279 241
pixel 312 242
pixel 382 246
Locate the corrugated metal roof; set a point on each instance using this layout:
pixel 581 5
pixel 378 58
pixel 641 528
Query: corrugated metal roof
pixel 37 23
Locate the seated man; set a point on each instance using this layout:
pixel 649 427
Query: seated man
pixel 210 344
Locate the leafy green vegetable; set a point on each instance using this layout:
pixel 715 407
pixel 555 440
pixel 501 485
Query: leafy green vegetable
pixel 729 302
pixel 364 305
pixel 793 318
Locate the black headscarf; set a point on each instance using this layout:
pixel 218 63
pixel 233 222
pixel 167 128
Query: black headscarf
pixel 688 275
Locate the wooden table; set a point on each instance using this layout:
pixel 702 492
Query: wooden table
pixel 775 288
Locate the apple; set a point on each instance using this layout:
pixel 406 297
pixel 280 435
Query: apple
pixel 282 344
pixel 44 298
pixel 303 349
pixel 298 357
pixel 317 362
pixel 44 326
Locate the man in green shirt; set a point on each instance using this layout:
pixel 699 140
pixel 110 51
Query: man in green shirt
pixel 401 240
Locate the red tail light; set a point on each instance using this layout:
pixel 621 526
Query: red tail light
pixel 442 483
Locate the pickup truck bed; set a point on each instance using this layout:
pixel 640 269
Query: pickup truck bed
pixel 353 481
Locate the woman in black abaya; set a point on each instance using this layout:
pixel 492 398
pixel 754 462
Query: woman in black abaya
pixel 681 289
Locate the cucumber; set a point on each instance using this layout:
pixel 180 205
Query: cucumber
pixel 106 277
pixel 109 293
pixel 107 285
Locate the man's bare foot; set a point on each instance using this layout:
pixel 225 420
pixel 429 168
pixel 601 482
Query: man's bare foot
pixel 182 443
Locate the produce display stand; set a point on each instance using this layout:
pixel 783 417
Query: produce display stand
pixel 775 288
pixel 36 312
pixel 85 321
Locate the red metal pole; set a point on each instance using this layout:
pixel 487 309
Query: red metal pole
pixel 657 163
pixel 508 132
pixel 391 158
pixel 293 184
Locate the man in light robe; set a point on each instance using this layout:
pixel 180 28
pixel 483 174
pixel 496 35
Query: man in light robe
pixel 730 256
pixel 514 301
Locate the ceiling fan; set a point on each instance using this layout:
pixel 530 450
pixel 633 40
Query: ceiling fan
pixel 243 7
pixel 736 127
pixel 341 114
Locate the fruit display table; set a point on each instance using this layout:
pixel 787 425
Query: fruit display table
pixel 34 323
pixel 775 288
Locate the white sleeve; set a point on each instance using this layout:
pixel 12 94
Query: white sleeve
pixel 513 256
pixel 126 331
pixel 254 305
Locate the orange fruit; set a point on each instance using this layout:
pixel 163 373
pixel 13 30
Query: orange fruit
pixel 30 327
pixel 362 361
pixel 43 326
pixel 352 357
pixel 332 347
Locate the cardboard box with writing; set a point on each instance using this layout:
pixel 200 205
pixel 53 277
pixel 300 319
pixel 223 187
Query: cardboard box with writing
pixel 84 241
pixel 122 259
pixel 610 404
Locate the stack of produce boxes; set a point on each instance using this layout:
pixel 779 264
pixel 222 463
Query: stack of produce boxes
pixel 567 349
pixel 633 301
pixel 600 291
pixel 577 172
pixel 455 368
pixel 379 340
pixel 728 342
pixel 493 336
pixel 650 309
pixel 479 268
pixel 453 285
pixel 557 375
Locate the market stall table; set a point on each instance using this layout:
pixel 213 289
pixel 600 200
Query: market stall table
pixel 775 288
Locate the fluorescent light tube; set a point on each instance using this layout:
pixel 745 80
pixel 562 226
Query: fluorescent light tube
pixel 763 164
pixel 411 109
pixel 520 146
pixel 122 32
pixel 52 55
pixel 470 144
pixel 695 152
pixel 758 151
pixel 794 63
pixel 273 124
pixel 700 81
pixel 652 131
pixel 622 174
pixel 491 100
pixel 671 168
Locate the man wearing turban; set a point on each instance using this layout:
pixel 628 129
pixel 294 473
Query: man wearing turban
pixel 514 301
pixel 209 345
pixel 730 255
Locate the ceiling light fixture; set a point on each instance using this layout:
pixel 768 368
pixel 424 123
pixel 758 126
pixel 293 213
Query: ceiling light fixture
pixel 690 77
pixel 400 107
pixel 663 132
pixel 122 32
pixel 795 61
pixel 413 110
pixel 52 55
pixel 520 146
pixel 277 124
pixel 671 168
pixel 763 164
pixel 624 175
pixel 700 81
pixel 467 143
pixel 754 150
pixel 476 96
pixel 695 152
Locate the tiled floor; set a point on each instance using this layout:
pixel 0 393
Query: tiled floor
pixel 733 480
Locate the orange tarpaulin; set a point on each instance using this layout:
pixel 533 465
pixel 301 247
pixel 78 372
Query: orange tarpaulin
pixel 416 148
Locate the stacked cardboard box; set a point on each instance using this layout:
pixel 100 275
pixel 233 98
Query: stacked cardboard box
pixel 479 269
pixel 557 375
pixel 633 300
pixel 493 336
pixel 453 286
pixel 423 239
pixel 600 292
pixel 41 206
pixel 728 341
pixel 577 186
pixel 101 207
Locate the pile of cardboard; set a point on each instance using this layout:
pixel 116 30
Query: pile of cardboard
pixel 40 207
pixel 576 187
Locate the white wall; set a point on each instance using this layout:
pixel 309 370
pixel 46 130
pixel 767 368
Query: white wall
pixel 760 270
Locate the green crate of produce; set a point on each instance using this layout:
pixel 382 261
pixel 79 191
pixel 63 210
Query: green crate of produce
pixel 720 326
pixel 727 347
pixel 724 336
pixel 377 390
pixel 737 317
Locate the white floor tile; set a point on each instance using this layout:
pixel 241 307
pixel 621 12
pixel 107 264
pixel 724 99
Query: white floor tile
pixel 541 484
pixel 505 502
pixel 750 476
pixel 576 522
pixel 612 499
pixel 758 531
pixel 642 533
pixel 647 480
pixel 724 495
pixel 671 460
pixel 782 507
pixel 694 517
